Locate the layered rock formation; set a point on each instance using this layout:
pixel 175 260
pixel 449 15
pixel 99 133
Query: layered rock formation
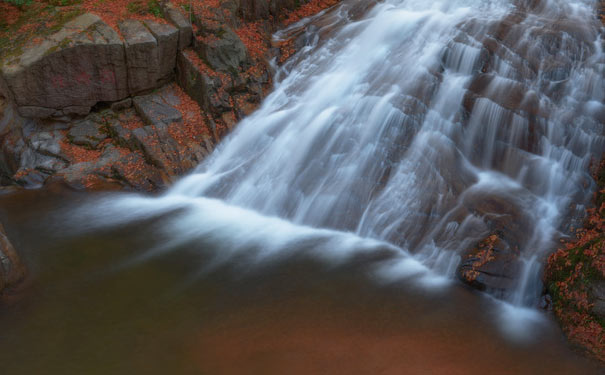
pixel 67 101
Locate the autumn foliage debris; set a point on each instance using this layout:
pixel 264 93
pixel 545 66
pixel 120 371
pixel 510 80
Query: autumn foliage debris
pixel 574 270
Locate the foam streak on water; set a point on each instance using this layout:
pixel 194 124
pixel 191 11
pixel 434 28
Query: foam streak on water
pixel 426 124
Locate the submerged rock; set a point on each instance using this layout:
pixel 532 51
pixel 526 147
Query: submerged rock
pixel 12 271
pixel 490 265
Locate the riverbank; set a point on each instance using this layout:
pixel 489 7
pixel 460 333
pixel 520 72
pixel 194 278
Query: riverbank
pixel 128 95
pixel 575 278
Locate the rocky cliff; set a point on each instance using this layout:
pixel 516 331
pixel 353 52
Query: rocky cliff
pixel 134 102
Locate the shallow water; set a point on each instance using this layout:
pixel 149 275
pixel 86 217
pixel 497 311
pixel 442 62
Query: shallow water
pixel 95 306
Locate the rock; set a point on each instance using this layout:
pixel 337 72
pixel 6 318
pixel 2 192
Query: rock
pixel 40 112
pixel 180 21
pixel 70 71
pixel 47 143
pixel 255 9
pixel 490 265
pixel 119 133
pixel 159 148
pixel 158 108
pixel 12 270
pixel 142 56
pixel 81 175
pixel 167 37
pixel 598 293
pixel 194 82
pixel 252 10
pixel 224 51
pixel 86 133
pixel 31 178
pixel 137 173
pixel 121 105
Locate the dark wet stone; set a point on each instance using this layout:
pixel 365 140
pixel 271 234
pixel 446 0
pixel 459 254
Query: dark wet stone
pixel 87 133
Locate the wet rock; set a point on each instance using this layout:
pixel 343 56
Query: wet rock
pixel 87 133
pixel 490 265
pixel 69 71
pixel 35 160
pixel 12 270
pixel 142 56
pixel 133 170
pixel 47 143
pixel 31 178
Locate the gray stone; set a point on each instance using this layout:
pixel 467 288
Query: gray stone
pixel 142 56
pixel 121 105
pixel 47 143
pixel 225 53
pixel 36 112
pixel 76 110
pixel 200 87
pixel 158 108
pixel 159 148
pixel 598 293
pixel 167 37
pixel 147 178
pixel 31 159
pixel 77 67
pixel 86 133
pixel 174 15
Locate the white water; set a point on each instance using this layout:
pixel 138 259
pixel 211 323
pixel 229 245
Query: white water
pixel 425 124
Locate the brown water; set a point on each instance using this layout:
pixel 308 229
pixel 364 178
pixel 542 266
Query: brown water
pixel 84 313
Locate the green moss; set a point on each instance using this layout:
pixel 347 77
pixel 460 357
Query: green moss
pixel 18 35
pixel 154 8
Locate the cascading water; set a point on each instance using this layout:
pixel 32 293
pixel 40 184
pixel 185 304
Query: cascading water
pixel 425 127
pixel 430 125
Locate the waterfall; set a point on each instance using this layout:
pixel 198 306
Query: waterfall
pixel 429 125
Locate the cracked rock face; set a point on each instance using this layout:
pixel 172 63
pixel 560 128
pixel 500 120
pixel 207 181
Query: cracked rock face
pixel 85 63
pixel 70 71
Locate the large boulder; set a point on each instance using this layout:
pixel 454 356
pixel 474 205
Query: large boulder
pixel 85 63
pixel 68 72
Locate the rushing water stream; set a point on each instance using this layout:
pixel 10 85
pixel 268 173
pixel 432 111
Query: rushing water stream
pixel 337 214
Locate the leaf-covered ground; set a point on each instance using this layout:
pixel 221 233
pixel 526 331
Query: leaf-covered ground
pixel 574 271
